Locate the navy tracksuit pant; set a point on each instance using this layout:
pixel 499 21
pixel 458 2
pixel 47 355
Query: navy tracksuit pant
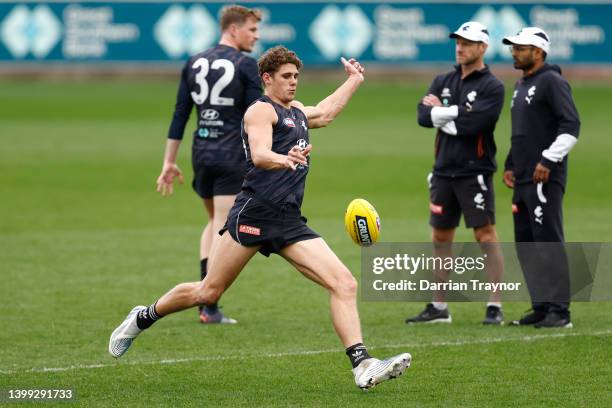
pixel 538 218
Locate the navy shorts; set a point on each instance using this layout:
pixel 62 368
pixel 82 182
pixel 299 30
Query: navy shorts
pixel 472 196
pixel 251 222
pixel 216 180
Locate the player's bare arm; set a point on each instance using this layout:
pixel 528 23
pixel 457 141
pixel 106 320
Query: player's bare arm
pixel 258 122
pixel 170 170
pixel 329 108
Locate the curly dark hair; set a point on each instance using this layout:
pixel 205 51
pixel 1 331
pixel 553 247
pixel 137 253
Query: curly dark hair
pixel 272 59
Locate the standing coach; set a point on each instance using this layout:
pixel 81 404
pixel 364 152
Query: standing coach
pixel 545 127
pixel 464 105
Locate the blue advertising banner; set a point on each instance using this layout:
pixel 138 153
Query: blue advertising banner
pixel 386 33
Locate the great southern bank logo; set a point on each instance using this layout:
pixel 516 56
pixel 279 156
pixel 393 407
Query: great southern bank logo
pixel 339 32
pixel 182 31
pixel 502 22
pixel 30 31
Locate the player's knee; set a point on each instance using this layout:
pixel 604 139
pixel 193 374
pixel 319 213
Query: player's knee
pixel 442 236
pixel 485 238
pixel 350 284
pixel 345 285
pixel 486 234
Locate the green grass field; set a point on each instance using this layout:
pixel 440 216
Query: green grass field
pixel 84 237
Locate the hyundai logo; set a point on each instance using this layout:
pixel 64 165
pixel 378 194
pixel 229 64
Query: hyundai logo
pixel 210 114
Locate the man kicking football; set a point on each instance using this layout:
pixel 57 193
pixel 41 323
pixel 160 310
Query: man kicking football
pixel 266 216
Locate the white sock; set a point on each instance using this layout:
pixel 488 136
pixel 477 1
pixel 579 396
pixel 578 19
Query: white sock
pixel 496 304
pixel 440 305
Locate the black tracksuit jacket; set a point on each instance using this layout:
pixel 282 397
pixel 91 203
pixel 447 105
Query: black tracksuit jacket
pixel 480 98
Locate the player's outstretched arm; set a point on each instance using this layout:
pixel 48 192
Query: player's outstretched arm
pixel 258 122
pixel 327 110
pixel 170 169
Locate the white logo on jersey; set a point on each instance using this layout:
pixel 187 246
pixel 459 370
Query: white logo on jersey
pixel 210 114
pixel 513 96
pixel 445 95
pixel 471 97
pixel 304 126
pixel 301 143
pixel 530 94
pixel 289 122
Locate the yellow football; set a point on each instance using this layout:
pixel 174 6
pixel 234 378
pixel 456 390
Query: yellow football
pixel 362 222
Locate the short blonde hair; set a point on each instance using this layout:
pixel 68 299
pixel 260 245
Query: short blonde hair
pixel 235 14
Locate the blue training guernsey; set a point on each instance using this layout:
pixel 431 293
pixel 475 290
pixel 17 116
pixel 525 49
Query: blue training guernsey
pixel 283 186
pixel 222 82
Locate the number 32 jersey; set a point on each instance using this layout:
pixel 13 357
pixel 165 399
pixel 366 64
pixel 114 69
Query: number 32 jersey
pixel 222 82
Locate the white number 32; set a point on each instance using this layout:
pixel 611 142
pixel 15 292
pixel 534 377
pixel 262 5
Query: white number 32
pixel 218 87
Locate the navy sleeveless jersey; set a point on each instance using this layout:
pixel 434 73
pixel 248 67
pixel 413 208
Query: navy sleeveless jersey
pixel 222 82
pixel 279 186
